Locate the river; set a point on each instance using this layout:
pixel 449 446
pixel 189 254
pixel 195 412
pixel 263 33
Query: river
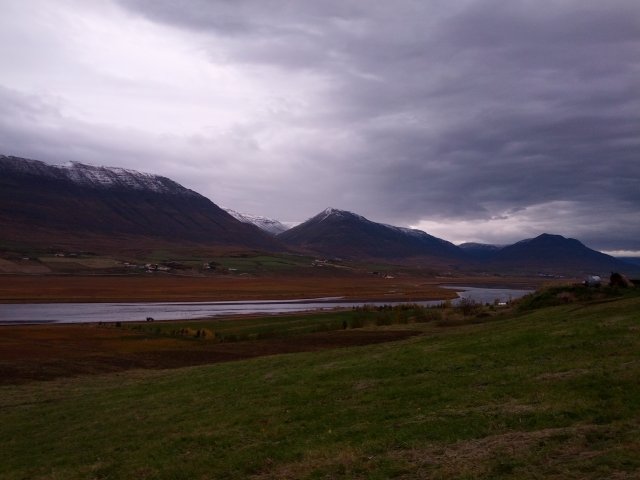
pixel 30 313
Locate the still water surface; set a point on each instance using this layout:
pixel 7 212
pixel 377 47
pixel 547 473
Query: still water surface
pixel 138 311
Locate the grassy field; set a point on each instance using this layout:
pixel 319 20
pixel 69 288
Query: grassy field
pixel 540 392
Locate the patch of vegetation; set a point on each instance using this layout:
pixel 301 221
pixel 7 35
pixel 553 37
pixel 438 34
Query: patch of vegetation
pixel 261 263
pixel 566 294
pixel 281 326
pixel 549 393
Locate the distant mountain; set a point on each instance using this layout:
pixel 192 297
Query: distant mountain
pixel 42 203
pixel 341 233
pixel 274 227
pixel 554 253
pixel 631 260
pixel 480 251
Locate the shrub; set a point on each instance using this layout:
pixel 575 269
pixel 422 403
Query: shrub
pixel 469 307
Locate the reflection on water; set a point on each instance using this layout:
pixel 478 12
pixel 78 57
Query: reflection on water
pixel 487 295
pixel 131 312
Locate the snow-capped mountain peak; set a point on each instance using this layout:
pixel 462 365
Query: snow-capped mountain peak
pixel 269 225
pixel 337 213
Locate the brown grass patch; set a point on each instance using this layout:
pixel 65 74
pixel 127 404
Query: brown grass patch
pixel 43 352
pixel 177 288
pixel 343 460
pixel 576 372
pixel 489 457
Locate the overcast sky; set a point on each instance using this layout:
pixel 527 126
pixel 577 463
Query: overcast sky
pixel 474 120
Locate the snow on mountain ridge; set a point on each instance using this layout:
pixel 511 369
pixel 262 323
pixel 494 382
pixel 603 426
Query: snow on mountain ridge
pixel 336 212
pixel 479 246
pixel 114 176
pixel 413 232
pixel 269 225
pixel 97 177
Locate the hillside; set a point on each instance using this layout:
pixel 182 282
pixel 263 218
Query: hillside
pixel 548 393
pixel 479 251
pixel 42 203
pixel 339 233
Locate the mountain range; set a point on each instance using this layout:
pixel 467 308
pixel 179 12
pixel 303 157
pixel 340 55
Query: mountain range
pixel 67 203
pixel 43 204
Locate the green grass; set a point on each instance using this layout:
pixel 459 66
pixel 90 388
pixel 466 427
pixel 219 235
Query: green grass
pixel 260 263
pixel 242 262
pixel 566 294
pixel 551 393
pixel 249 328
pixel 261 327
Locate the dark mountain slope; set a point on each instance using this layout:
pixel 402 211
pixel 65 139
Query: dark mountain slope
pixel 340 233
pixel 76 200
pixel 480 251
pixel 555 253
pixel 635 261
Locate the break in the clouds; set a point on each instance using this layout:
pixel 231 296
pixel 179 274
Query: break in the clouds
pixel 477 120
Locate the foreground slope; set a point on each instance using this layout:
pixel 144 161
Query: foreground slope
pixel 47 203
pixel 552 393
pixel 336 232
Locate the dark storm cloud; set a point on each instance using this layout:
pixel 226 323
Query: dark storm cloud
pixel 512 112
pixel 464 109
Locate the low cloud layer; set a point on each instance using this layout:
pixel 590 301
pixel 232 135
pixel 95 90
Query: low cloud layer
pixel 474 120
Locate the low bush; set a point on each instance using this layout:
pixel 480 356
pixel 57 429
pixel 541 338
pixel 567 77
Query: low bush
pixel 565 294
